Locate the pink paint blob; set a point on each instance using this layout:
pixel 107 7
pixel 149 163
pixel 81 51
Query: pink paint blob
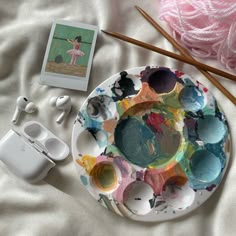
pixel 155 180
pixel 118 194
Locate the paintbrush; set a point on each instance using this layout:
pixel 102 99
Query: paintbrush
pixel 185 53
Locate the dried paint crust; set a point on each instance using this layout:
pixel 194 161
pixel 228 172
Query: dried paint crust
pixel 151 143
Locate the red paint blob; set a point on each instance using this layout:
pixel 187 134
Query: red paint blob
pixel 155 120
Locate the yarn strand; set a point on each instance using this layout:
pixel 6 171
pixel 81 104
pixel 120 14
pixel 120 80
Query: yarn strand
pixel 206 27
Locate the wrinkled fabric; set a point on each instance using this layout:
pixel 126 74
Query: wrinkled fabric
pixel 59 205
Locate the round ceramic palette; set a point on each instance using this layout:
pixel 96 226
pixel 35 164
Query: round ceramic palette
pixel 151 144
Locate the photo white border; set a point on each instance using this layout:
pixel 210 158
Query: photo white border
pixel 63 80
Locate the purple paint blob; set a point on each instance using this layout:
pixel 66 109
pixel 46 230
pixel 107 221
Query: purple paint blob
pixel 161 79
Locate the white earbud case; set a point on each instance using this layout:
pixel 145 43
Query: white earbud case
pixel 31 153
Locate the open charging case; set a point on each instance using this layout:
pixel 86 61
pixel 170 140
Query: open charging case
pixel 31 153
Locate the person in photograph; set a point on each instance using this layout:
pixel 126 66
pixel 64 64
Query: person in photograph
pixel 75 52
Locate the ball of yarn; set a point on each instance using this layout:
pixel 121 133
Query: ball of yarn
pixel 206 27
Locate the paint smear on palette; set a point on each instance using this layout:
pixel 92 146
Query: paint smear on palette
pixel 109 125
pixel 123 87
pixel 100 107
pixel 160 139
pixel 87 162
pixel 136 141
pixel 84 180
pixel 139 104
pixel 104 177
pixel 157 178
pixel 86 121
pixel 168 138
pixel 161 79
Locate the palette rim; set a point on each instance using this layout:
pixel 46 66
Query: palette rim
pixel 133 189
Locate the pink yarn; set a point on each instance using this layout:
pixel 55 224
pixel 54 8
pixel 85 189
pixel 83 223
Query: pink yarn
pixel 206 27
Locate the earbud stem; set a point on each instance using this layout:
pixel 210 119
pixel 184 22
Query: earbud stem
pixel 16 116
pixel 61 118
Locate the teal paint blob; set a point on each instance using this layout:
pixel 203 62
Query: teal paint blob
pixel 205 166
pixel 210 129
pixel 84 180
pixel 218 150
pixel 136 141
pixel 191 98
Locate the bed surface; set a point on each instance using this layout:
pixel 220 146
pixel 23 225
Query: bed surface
pixel 59 205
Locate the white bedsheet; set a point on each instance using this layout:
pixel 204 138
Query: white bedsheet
pixel 60 205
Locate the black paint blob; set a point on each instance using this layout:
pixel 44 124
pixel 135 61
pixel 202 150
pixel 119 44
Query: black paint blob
pixel 123 87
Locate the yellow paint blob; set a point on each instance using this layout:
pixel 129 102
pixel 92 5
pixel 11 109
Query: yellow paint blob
pixel 87 162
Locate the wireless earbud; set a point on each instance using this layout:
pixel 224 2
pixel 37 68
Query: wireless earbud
pixel 62 103
pixel 23 104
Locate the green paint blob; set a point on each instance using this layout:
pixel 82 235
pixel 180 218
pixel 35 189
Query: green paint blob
pixel 106 177
pixel 171 100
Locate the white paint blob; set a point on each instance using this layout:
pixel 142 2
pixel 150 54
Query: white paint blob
pixel 137 196
pixel 87 145
pixel 178 197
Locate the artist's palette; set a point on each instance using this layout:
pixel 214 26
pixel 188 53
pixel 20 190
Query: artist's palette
pixel 151 144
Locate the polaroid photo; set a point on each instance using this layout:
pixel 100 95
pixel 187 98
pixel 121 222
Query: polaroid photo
pixel 69 54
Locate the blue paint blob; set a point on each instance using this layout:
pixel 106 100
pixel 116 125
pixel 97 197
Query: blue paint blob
pixel 84 180
pixel 191 98
pixel 188 82
pixel 136 141
pixel 205 166
pixel 87 122
pixel 210 129
pixel 100 90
